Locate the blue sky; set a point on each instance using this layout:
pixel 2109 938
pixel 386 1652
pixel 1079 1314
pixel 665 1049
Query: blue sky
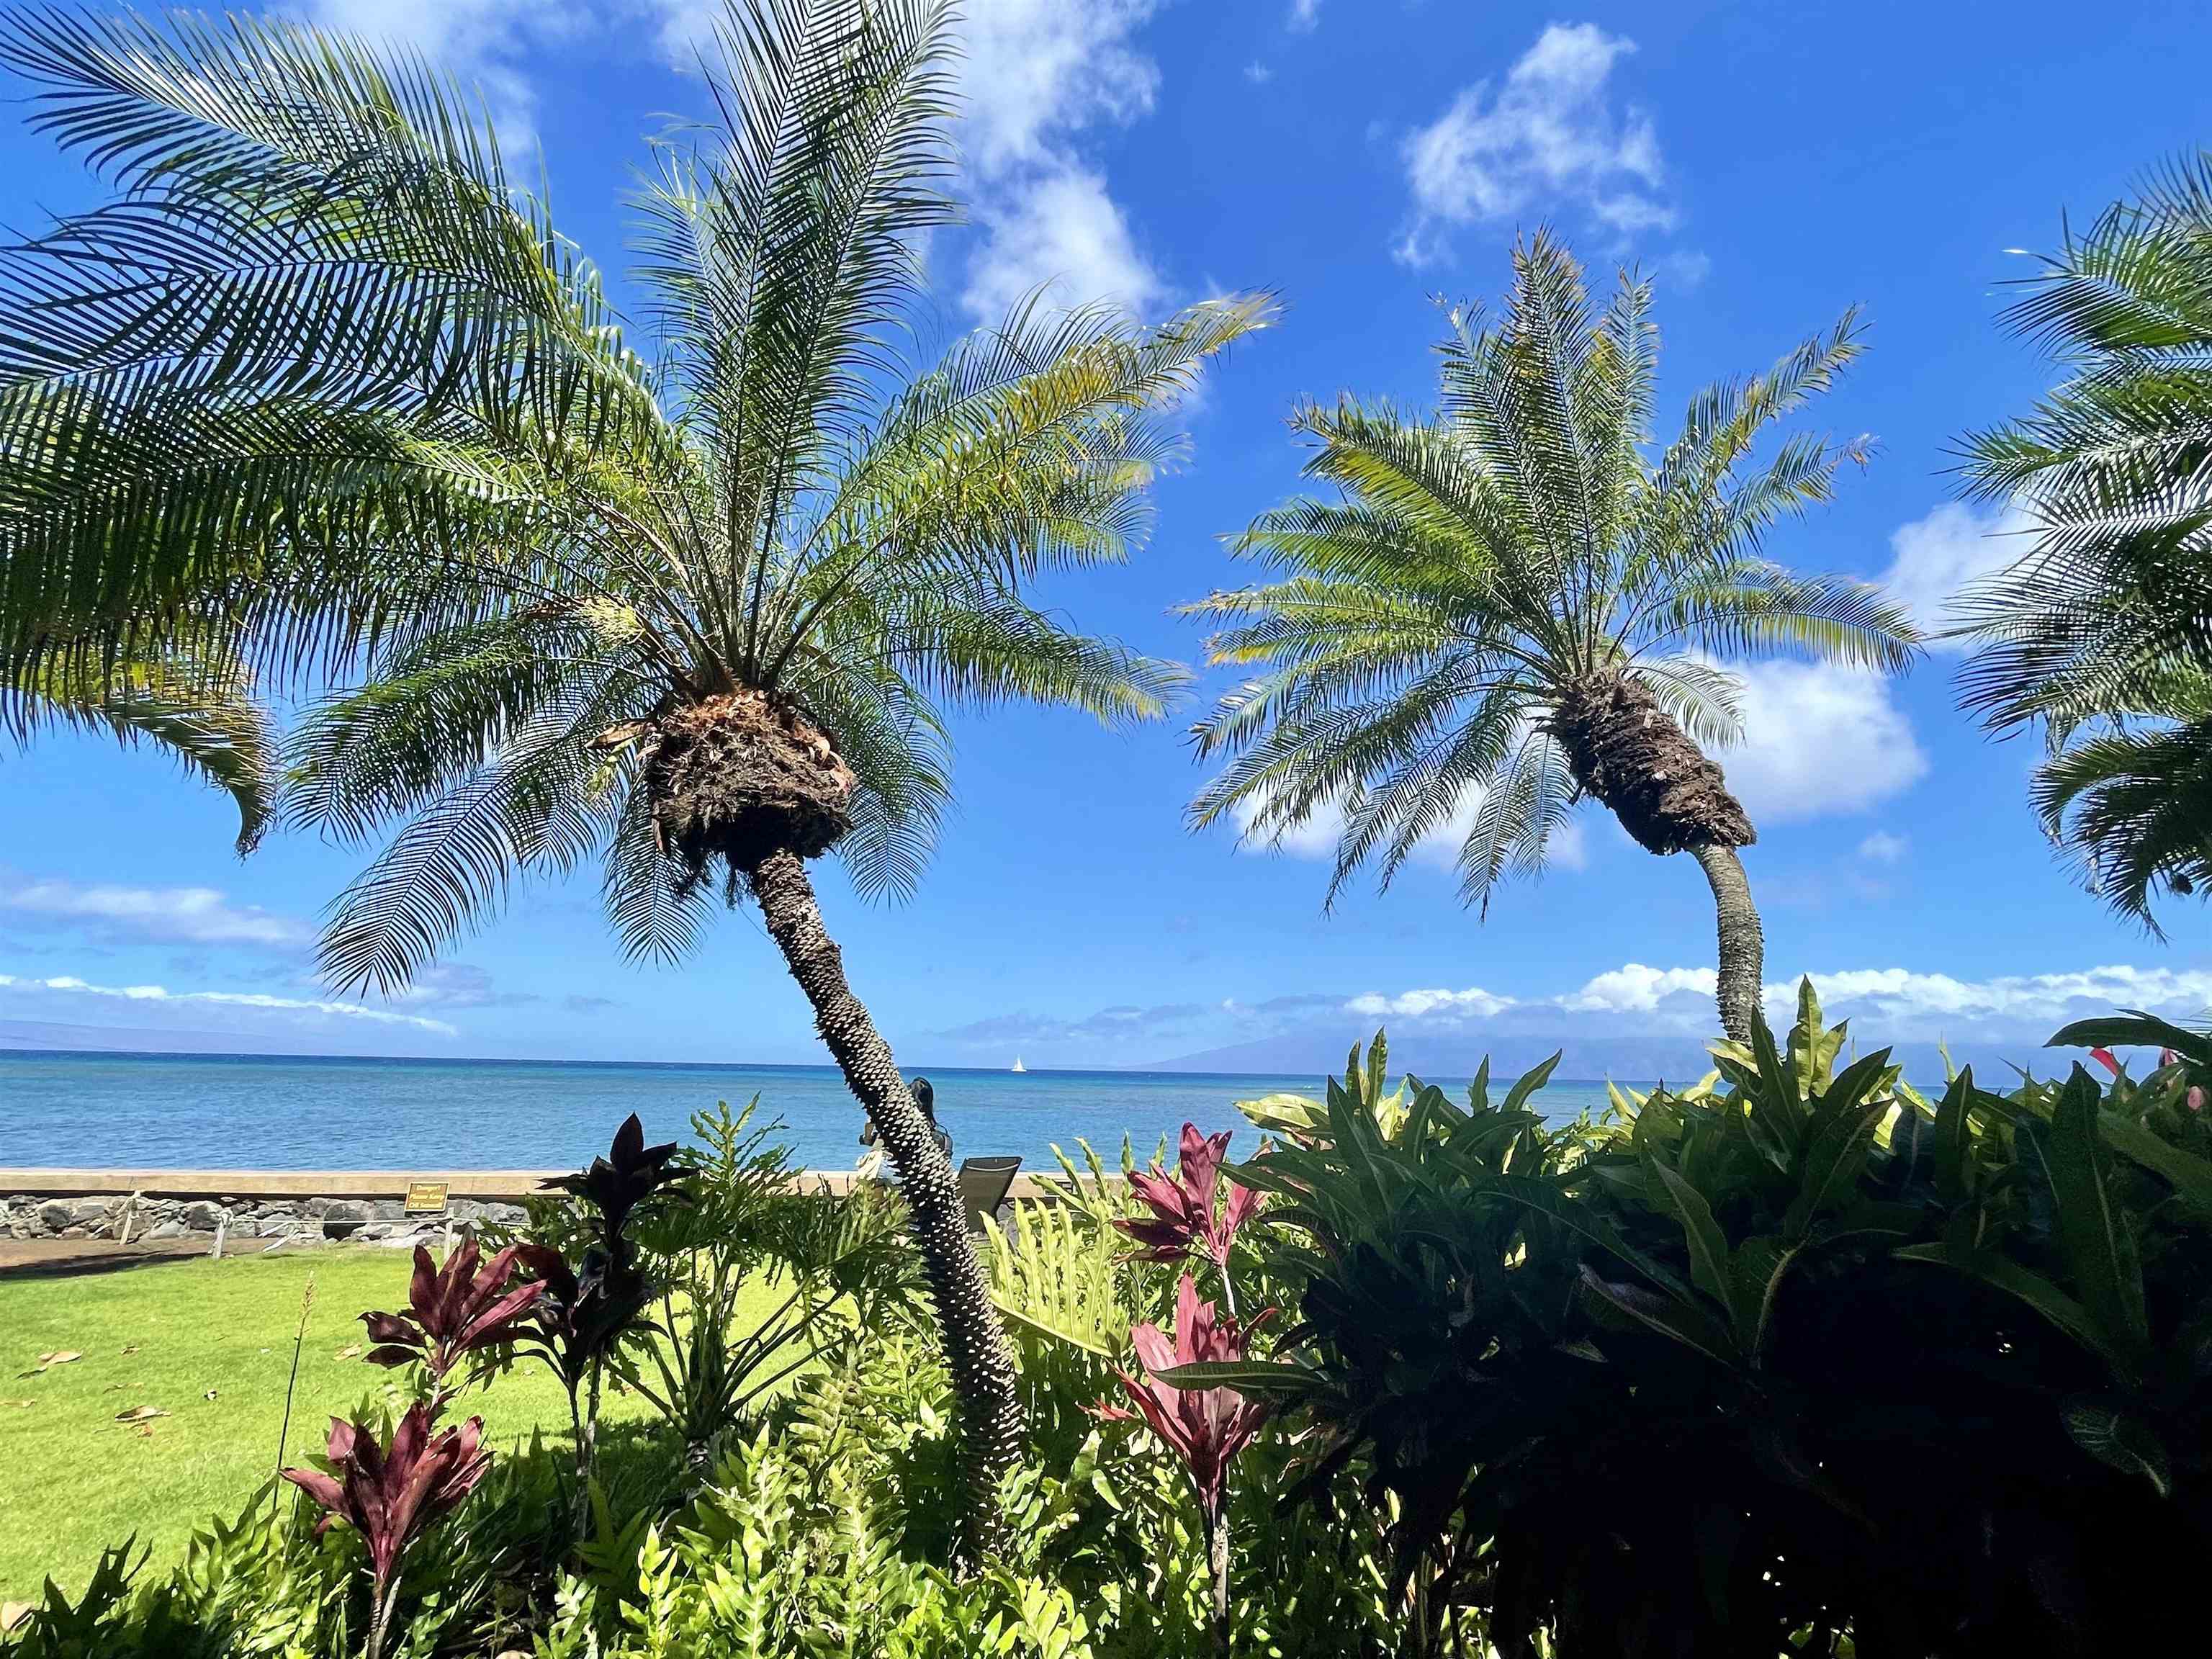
pixel 1768 165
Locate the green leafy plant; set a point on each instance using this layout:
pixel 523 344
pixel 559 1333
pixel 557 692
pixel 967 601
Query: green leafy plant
pixel 1791 1358
pixel 746 1219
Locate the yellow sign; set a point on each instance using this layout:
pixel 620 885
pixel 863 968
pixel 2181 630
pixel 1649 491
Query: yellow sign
pixel 426 1198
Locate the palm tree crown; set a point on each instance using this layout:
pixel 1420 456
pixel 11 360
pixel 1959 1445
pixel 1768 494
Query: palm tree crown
pixel 1508 604
pixel 2100 633
pixel 326 380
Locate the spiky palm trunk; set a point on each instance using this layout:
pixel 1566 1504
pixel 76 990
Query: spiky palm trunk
pixel 981 1362
pixel 1626 750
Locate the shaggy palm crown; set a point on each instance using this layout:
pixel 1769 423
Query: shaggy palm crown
pixel 324 386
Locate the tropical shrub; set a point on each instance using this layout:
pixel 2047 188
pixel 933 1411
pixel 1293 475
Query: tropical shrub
pixel 1794 1361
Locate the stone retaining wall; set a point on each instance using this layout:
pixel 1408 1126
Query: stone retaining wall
pixel 301 1220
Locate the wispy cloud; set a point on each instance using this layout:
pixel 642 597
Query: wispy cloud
pixel 1258 73
pixel 1882 847
pixel 66 985
pixel 1305 16
pixel 201 915
pixel 1550 134
pixel 1039 77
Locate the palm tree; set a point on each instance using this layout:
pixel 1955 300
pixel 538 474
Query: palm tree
pixel 2100 633
pixel 201 711
pixel 325 382
pixel 1509 606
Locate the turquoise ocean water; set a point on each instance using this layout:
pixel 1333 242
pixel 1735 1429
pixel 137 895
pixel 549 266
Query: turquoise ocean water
pixel 221 1111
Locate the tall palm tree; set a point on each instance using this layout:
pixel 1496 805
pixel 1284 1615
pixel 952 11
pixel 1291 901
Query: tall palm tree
pixel 1507 603
pixel 325 382
pixel 201 711
pixel 2100 633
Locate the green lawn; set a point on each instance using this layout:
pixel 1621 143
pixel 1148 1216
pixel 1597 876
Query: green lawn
pixel 210 1344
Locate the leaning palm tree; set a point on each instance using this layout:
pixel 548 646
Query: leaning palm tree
pixel 325 382
pixel 1508 605
pixel 2101 632
pixel 200 712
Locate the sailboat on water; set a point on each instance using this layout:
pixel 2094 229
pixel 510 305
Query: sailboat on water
pixel 1017 1063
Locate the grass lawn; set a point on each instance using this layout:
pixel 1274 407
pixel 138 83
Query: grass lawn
pixel 210 1344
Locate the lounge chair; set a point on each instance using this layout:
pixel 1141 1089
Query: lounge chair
pixel 984 1183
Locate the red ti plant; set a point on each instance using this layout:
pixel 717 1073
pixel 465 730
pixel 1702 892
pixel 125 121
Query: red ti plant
pixel 390 1495
pixel 1204 1428
pixel 451 1312
pixel 1186 1210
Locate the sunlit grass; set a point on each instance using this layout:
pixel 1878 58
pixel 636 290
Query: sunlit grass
pixel 210 1344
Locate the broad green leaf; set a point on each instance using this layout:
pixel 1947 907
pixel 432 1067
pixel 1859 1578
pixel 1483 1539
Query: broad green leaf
pixel 1672 1315
pixel 1832 1167
pixel 1254 1376
pixel 2188 1175
pixel 1578 1217
pixel 2127 1443
pixel 2135 1028
pixel 2039 1293
pixel 2100 1251
pixel 1708 1244
pixel 1529 1083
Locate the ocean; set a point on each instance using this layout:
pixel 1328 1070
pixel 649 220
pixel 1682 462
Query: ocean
pixel 268 1112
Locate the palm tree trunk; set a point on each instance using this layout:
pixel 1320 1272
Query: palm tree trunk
pixel 984 1380
pixel 1742 943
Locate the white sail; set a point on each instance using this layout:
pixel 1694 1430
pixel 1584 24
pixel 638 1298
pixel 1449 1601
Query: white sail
pixel 1017 1063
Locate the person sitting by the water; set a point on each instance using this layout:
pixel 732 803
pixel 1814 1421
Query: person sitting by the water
pixel 924 1097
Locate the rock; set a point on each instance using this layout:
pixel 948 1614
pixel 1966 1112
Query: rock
pixel 54 1215
pixel 375 1230
pixel 389 1209
pixel 508 1215
pixel 316 1208
pixel 94 1209
pixel 203 1216
pixel 165 1229
pixel 340 1218
pixel 242 1226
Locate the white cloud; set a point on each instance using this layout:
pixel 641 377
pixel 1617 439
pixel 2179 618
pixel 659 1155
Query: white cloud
pixel 1935 556
pixel 1474 1003
pixel 1882 847
pixel 68 985
pixel 201 915
pixel 1316 837
pixel 1060 231
pixel 1038 76
pixel 1550 132
pixel 1892 1004
pixel 1635 988
pixel 482 43
pixel 1305 15
pixel 1258 73
pixel 1038 71
pixel 1885 1004
pixel 1819 739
